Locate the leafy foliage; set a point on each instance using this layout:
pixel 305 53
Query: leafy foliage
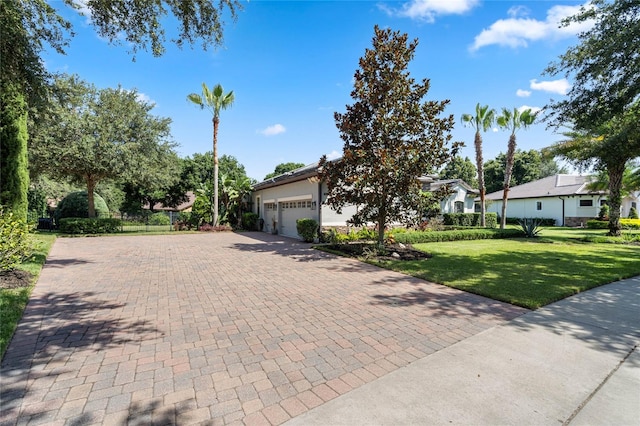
pixel 250 221
pixel 530 227
pixel 101 225
pixel 417 237
pixel 14 174
pixel 76 204
pixel 391 135
pixel 283 168
pixel 631 223
pixel 307 229
pixel 527 166
pixel 633 213
pixel 159 218
pixel 14 240
pixel 459 168
pixel 470 219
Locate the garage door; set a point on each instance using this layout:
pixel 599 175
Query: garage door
pixel 290 211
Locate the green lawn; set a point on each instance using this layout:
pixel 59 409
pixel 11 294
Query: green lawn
pixel 13 301
pixel 525 272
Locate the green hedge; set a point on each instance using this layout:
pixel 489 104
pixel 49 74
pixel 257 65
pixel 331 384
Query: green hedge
pixel 76 225
pixel 624 224
pixel 470 219
pixel 462 234
pixel 307 229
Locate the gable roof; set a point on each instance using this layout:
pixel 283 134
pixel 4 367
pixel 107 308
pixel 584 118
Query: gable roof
pixel 301 173
pixel 437 184
pixel 551 186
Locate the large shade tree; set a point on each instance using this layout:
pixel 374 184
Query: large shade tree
pixel 602 106
pixel 527 166
pixel 283 168
pixel 91 135
pixel 511 120
pixel 392 135
pixel 214 100
pixel 459 168
pixel 482 121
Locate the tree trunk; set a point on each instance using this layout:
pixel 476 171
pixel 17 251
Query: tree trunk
pixel 480 167
pixel 508 170
pixel 91 186
pixel 216 121
pixel 381 230
pixel 616 171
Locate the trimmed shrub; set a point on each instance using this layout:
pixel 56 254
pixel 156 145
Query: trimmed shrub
pixel 633 213
pixel 470 219
pixel 597 224
pixel 250 221
pixel 624 223
pixel 101 225
pixel 307 229
pixel 76 204
pixel 603 214
pixel 630 223
pixel 14 240
pixel 456 235
pixel 159 218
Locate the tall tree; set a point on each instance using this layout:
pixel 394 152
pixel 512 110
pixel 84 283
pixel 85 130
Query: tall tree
pixel 611 147
pixel 392 135
pixel 481 121
pixel 459 168
pixel 283 168
pixel 215 100
pixel 512 121
pixel 602 105
pixel 95 135
pixel 14 173
pixel 527 166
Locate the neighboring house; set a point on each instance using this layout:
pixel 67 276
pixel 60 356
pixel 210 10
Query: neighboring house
pixel 462 198
pixel 183 207
pixel 281 200
pixel 564 198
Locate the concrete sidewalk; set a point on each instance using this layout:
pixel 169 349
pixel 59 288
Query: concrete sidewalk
pixel 573 362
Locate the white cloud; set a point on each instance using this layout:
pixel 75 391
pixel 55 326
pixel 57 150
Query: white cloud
pixel 276 129
pixel 533 109
pixel 427 10
pixel 142 97
pixel 333 155
pixel 519 30
pixel 523 93
pixel 560 87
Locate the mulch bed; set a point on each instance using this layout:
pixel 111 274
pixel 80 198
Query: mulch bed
pixel 392 251
pixel 15 279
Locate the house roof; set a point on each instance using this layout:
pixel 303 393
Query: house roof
pixel 301 173
pixel 191 198
pixel 552 186
pixel 435 185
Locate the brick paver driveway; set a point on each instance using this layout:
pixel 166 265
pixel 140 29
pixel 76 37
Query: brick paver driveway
pixel 217 328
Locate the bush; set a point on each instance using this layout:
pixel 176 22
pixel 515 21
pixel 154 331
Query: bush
pixel 159 218
pixel 76 204
pixel 624 224
pixel 102 225
pixel 470 219
pixel 633 213
pixel 603 214
pixel 307 229
pixel 187 221
pixel 456 235
pixel 250 221
pixel 207 227
pixel 530 227
pixel 14 241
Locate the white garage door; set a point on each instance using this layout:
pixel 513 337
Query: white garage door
pixel 290 211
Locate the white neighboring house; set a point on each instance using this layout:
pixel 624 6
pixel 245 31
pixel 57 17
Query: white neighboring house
pixel 564 198
pixel 299 194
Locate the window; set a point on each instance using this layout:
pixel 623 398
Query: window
pixel 538 205
pixel 603 203
pixel 586 203
pixel 458 207
pixel 634 205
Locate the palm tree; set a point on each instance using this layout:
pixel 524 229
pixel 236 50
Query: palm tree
pixel 214 100
pixel 512 120
pixel 482 121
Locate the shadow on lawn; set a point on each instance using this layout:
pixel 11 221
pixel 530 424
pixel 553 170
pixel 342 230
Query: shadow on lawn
pixel 53 327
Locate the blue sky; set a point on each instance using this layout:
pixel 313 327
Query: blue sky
pixel 291 65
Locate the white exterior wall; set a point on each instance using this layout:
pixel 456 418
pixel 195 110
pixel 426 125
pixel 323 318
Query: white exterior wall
pixel 448 205
pixel 551 208
pixel 632 200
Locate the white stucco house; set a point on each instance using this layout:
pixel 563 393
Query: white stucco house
pixel 298 194
pixel 562 197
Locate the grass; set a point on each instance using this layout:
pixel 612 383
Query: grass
pixel 13 301
pixel 525 272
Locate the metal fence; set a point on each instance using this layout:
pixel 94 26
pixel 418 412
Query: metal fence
pixel 158 222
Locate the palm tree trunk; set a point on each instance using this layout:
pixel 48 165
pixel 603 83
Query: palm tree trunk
pixel 480 167
pixel 616 172
pixel 508 171
pixel 216 121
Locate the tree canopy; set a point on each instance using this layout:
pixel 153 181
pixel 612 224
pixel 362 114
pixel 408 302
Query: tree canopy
pixel 283 168
pixel 91 135
pixel 459 168
pixel 392 135
pixel 527 166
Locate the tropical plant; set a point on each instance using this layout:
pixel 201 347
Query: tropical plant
pixel 481 121
pixel 530 226
pixel 513 121
pixel 215 100
pixel 391 135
